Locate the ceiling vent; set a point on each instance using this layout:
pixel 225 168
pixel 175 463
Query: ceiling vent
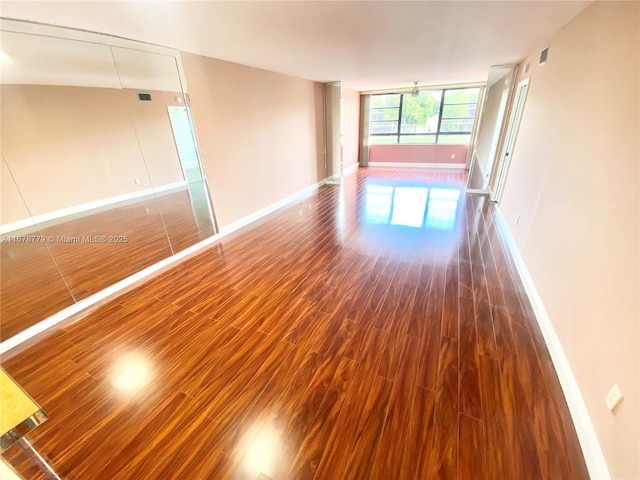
pixel 144 97
pixel 543 56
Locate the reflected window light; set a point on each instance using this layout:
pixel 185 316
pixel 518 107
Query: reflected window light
pixel 409 204
pixel 131 373
pixel 378 203
pixel 260 453
pixel 443 206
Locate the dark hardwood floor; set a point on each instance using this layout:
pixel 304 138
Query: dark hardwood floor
pixel 330 341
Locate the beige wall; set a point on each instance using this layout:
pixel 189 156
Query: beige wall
pixel 12 208
pixel 574 180
pixel 408 153
pixel 351 128
pixel 489 118
pixel 260 133
pixel 67 146
pixel 155 137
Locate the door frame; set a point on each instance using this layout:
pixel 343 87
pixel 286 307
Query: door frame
pixel 502 167
pixel 333 138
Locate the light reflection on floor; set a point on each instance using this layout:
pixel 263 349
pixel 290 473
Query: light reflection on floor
pixel 424 215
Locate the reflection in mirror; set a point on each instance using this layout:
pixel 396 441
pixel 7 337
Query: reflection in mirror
pixel 105 174
pixel 193 221
pixel 31 286
pixel 163 127
pixel 487 142
pixel 333 132
pixel 76 161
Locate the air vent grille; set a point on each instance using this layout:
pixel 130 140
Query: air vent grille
pixel 144 97
pixel 543 56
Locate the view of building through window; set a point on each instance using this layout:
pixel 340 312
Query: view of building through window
pixel 433 116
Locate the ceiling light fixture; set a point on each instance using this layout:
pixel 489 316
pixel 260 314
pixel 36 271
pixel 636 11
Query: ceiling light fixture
pixel 415 92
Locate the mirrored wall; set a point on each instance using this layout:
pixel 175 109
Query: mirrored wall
pixel 101 175
pixel 488 138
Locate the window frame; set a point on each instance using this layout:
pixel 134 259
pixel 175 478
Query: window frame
pixel 437 134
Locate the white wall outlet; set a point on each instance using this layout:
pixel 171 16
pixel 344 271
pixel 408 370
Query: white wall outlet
pixel 613 397
pixel 517 219
pixel 453 155
pixel 136 181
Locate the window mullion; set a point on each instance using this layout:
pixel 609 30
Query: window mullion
pixel 399 118
pixel 444 94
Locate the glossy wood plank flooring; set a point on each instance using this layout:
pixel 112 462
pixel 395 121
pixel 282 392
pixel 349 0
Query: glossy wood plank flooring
pixel 41 278
pixel 330 341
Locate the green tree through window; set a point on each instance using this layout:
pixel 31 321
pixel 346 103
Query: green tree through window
pixel 433 116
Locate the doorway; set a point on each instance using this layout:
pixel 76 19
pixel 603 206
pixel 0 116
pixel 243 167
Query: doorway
pixel 333 132
pixel 512 133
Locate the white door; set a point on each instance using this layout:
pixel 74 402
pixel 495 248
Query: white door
pixel 496 134
pixel 510 142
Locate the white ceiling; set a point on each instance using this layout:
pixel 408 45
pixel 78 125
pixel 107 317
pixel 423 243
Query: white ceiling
pixel 367 45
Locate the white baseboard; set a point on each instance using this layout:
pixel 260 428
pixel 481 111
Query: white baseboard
pixel 350 169
pixel 455 166
pixel 594 458
pixel 244 221
pixel 63 315
pixel 84 207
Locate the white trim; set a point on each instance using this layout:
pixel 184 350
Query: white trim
pixel 232 227
pixel 594 458
pixel 350 169
pixel 440 86
pixel 62 315
pixel 84 207
pixel 73 33
pixel 502 163
pixel 456 166
pixel 478 191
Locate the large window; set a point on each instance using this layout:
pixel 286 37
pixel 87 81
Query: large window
pixel 434 116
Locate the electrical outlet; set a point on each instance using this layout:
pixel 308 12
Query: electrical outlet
pixel 613 397
pixel 453 155
pixel 517 219
pixel 136 181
